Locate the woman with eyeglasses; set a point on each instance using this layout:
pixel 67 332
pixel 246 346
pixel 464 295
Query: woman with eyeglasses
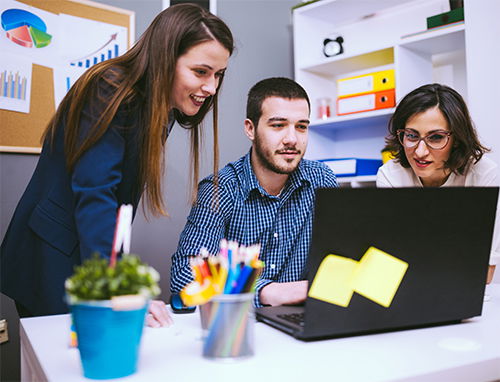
pixel 435 144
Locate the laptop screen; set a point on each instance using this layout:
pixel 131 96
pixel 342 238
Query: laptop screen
pixel 443 235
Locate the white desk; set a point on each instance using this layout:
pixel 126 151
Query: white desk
pixel 468 351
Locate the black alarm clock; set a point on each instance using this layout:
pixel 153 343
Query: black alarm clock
pixel 333 46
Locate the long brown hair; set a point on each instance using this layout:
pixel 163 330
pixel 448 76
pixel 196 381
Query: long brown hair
pixel 144 75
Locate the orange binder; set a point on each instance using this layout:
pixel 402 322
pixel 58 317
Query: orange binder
pixel 366 102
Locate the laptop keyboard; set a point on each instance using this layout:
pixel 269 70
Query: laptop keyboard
pixel 296 318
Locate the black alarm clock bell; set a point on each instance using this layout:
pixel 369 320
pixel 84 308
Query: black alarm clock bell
pixel 332 46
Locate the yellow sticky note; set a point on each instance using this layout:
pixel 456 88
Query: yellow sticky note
pixel 378 276
pixel 333 280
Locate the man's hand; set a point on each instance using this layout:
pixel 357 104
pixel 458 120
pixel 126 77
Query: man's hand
pixel 284 293
pixel 158 315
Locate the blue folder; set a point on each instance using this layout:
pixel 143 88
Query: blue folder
pixel 353 166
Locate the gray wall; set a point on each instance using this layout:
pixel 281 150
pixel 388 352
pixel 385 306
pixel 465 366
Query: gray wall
pixel 262 29
pixel 15 172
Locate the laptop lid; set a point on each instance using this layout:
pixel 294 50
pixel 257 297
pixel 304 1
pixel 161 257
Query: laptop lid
pixel 444 234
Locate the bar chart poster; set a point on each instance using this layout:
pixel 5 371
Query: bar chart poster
pixel 88 43
pixel 29 32
pixel 64 77
pixel 15 83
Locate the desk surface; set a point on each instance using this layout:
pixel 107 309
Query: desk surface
pixel 469 351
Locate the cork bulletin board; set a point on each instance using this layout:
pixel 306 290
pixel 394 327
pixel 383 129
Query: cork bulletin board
pixel 21 132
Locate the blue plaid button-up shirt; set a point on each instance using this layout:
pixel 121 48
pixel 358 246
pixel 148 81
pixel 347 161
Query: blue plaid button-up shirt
pixel 248 214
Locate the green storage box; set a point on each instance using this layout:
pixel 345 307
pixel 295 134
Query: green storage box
pixel 445 18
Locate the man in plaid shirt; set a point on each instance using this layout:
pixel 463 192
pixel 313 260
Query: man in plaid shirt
pixel 265 197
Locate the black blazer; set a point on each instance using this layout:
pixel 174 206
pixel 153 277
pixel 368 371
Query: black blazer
pixel 62 218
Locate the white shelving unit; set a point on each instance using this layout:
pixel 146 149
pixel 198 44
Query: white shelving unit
pixel 357 181
pixel 379 35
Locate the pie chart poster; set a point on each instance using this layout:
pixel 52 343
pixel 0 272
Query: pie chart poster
pixel 34 19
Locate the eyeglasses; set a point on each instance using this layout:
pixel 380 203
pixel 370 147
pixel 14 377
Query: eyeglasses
pixel 436 140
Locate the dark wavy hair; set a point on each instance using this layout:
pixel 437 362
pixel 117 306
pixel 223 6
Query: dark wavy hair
pixel 466 145
pixel 144 76
pixel 272 87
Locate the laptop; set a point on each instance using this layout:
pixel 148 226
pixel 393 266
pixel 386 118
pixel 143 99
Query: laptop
pixel 444 234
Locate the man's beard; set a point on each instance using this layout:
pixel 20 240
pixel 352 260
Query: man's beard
pixel 266 159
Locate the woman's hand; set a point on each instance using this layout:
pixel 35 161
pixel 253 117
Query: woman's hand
pixel 491 271
pixel 158 315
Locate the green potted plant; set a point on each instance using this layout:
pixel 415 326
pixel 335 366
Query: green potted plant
pixel 108 303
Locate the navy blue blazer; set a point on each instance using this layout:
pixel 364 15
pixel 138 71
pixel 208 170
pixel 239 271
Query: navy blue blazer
pixel 62 217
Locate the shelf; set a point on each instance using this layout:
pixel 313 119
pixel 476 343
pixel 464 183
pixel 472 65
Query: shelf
pixel 339 12
pixel 359 179
pixel 439 40
pixel 378 35
pixel 352 63
pixel 354 120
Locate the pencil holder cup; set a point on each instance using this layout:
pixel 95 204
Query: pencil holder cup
pixel 205 317
pixel 108 340
pixel 231 321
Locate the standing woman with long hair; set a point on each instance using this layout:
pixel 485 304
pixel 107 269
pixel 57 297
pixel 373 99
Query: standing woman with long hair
pixel 105 146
